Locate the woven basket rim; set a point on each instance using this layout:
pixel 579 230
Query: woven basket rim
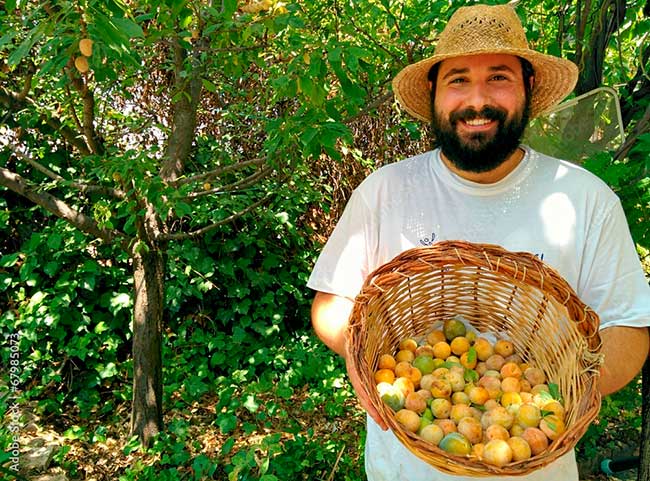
pixel 520 268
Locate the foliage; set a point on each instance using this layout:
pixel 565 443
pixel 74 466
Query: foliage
pixel 293 109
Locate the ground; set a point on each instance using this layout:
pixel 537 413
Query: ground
pixel 107 459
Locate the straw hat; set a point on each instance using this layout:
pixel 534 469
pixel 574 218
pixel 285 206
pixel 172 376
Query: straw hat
pixel 482 29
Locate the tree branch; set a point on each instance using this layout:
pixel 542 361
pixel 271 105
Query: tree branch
pixel 17 184
pixel 187 90
pixel 85 188
pixel 219 171
pixel 14 104
pixel 88 101
pixel 211 227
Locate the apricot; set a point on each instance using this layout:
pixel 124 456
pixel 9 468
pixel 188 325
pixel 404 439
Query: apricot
pixel 471 428
pixel 504 348
pixel 460 397
pixel 402 368
pixel 468 359
pixel 497 452
pixel 453 328
pixel 447 425
pixel 408 344
pixel 484 348
pixel 496 431
pixel 534 376
pixel 404 355
pixel 405 385
pixel 81 64
pixel 553 426
pixel 516 430
pixel 441 388
pixel 498 415
pixel 510 398
pixel 554 407
pixel 477 450
pixel 492 385
pixel 408 419
pixel 529 415
pixel 478 395
pixel 510 384
pixel 384 375
pixel 520 448
pixel 536 439
pixel 415 402
pixel 516 358
pixel 424 350
pixel 455 443
pixel 386 361
pixel 511 369
pixel 456 380
pixel 391 395
pixel 525 385
pixel 460 411
pixel 425 394
pixel 435 336
pixel 481 368
pixel 491 404
pixel 86 47
pixel 495 362
pixel 459 345
pixel 432 433
pixel 440 408
pixel 426 381
pixel 441 372
pixel 441 350
pixel 424 364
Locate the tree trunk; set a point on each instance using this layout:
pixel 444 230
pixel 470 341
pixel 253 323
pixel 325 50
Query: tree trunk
pixel 146 413
pixel 644 450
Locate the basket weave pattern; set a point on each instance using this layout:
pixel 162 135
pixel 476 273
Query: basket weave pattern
pixel 508 294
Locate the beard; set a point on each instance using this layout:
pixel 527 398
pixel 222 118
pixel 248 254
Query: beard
pixel 480 152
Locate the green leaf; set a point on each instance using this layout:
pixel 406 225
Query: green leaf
pixel 227 422
pixel 129 27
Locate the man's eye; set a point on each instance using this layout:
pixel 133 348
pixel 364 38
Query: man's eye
pixel 499 77
pixel 457 81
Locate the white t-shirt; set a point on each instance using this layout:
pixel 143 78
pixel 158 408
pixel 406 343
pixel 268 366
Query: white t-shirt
pixel 556 210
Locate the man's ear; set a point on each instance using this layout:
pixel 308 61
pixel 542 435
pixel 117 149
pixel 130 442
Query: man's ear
pixel 531 82
pixel 430 84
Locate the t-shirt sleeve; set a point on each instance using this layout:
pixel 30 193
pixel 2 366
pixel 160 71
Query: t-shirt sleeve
pixel 342 265
pixel 612 279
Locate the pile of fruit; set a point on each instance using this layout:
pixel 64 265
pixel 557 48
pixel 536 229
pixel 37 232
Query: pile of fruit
pixel 470 396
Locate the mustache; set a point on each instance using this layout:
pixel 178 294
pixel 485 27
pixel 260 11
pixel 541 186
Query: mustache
pixel 487 112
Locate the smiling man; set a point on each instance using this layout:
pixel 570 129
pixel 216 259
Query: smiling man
pixel 479 184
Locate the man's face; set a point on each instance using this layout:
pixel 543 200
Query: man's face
pixel 480 110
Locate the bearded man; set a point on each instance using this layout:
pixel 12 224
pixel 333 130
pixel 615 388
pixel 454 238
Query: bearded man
pixel 481 185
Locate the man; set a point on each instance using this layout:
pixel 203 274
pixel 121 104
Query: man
pixel 478 91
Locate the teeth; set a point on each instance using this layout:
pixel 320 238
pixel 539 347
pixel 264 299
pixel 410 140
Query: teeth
pixel 478 121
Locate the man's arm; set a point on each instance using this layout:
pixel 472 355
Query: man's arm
pixel 329 317
pixel 625 350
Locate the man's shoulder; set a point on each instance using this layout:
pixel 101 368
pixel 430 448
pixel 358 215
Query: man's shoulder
pixel 404 168
pixel 567 171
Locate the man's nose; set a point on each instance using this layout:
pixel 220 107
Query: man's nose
pixel 478 96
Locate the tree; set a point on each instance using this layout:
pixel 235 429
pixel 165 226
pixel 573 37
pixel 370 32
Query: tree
pixel 149 124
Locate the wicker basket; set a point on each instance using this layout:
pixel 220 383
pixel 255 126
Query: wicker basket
pixel 498 292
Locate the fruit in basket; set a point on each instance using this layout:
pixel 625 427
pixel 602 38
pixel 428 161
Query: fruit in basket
pixel 432 433
pixel 455 443
pixel 408 419
pixel 424 363
pixel 470 395
pixel 497 452
pixel 453 328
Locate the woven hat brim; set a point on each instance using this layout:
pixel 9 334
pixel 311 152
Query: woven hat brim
pixel 555 79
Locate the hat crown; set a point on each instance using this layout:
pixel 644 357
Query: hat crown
pixel 482 27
